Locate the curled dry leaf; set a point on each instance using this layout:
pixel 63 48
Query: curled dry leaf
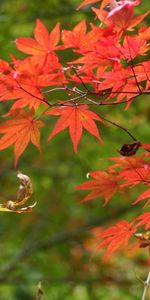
pixel 130 149
pixel 40 293
pixel 24 193
pixel 144 239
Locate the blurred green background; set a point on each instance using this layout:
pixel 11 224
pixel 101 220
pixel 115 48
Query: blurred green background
pixel 53 245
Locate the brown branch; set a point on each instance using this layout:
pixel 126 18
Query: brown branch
pixel 84 95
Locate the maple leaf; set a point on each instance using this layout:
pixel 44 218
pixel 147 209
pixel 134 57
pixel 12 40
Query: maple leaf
pixel 127 163
pixel 121 15
pixel 76 117
pixel 143 196
pixel 144 220
pixel 146 147
pixel 134 46
pixel 102 54
pixel 133 89
pixel 143 72
pixel 116 236
pixel 95 37
pixel 43 44
pixel 29 69
pixel 75 37
pixel 135 176
pixel 21 86
pixel 102 184
pixel 24 82
pixel 20 129
pixel 87 2
pixel 120 80
pixel 4 67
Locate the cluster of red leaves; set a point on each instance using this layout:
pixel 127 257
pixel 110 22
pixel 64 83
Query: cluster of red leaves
pixel 104 57
pixel 110 63
pixel 126 172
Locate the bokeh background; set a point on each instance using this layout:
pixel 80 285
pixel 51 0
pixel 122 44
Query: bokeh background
pixel 55 244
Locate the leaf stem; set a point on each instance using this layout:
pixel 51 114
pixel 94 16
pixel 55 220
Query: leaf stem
pixel 146 286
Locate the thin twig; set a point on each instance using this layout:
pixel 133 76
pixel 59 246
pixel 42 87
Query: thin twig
pixel 121 127
pixel 54 89
pixel 146 286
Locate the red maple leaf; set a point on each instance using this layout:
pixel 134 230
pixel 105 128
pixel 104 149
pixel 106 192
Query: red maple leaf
pixel 146 147
pixel 22 88
pixel 24 82
pixel 116 236
pixel 143 196
pixel 76 117
pixel 121 15
pixel 20 129
pixel 127 163
pixel 134 46
pixel 102 184
pixel 99 54
pixel 144 220
pixel 123 84
pixel 135 176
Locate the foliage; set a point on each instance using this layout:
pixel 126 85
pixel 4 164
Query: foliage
pixel 109 67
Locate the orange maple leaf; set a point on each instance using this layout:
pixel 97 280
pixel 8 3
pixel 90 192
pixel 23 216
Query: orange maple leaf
pixel 102 184
pixel 116 236
pixel 76 117
pixel 20 129
pixel 44 43
pixel 74 38
pixel 88 2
